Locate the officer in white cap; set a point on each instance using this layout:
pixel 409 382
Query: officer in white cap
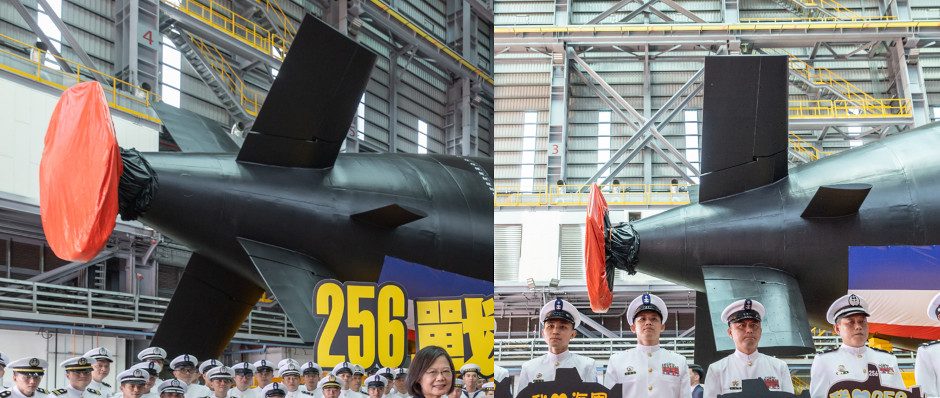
pixel 78 373
pixel 398 383
pixel 744 327
pixel 264 373
pixel 285 361
pixel 290 378
pixel 355 382
pixel 273 390
pixel 151 369
pixel 310 373
pixel 470 373
pixel 171 389
pixel 559 320
pixel 208 365
pixel 184 369
pixel 388 374
pixel 220 381
pixel 101 368
pixel 849 318
pixel 154 354
pixel 375 385
pixel 648 370
pixel 27 373
pixel 244 376
pixel 330 385
pixel 927 362
pixel 132 383
pixel 459 385
pixel 4 360
pixel 489 389
pixel 343 371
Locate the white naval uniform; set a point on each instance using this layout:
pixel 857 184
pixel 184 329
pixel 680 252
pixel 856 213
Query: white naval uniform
pixel 351 394
pixel 649 371
pixel 198 391
pixel 499 373
pixel 927 369
pixel 101 387
pixel 71 392
pixel 315 393
pixel 850 363
pixel 14 392
pixel 475 394
pixel 234 392
pixel 543 368
pixel 726 375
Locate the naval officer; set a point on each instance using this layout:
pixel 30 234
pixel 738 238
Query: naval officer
pixel 220 379
pixel 927 363
pixel 344 371
pixel 330 385
pixel 470 373
pixel 132 382
pixel 101 366
pixel 648 370
pixel 184 369
pixel 744 327
pixel 27 373
pixel 273 390
pixel 310 372
pixel 849 317
pixel 171 389
pixel 4 360
pixel 78 373
pixel 244 373
pixel 559 319
pixel 156 355
pixel 376 386
pixel 290 377
pixel 264 374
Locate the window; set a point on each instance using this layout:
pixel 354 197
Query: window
pixel 936 113
pixel 361 120
pixel 526 180
pixel 51 31
pixel 603 142
pixel 170 73
pixel 692 141
pixel 422 137
pixel 854 131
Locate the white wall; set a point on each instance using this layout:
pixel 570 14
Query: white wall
pixel 24 118
pixel 55 348
pixel 541 230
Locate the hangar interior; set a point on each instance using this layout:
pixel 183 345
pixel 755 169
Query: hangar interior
pixel 431 91
pixel 611 92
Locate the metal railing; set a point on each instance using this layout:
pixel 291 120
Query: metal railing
pixel 842 109
pixel 249 99
pixel 570 195
pixel 823 76
pixel 837 11
pixel 289 30
pixel 804 148
pixel 817 19
pixel 88 304
pixel 235 25
pixel 32 64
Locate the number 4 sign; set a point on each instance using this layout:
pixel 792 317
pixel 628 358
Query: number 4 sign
pixel 148 36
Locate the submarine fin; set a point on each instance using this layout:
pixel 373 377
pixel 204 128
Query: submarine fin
pixel 836 201
pixel 391 216
pixel 744 124
pixel 195 133
pixel 207 294
pixel 786 328
pixel 307 114
pixel 292 277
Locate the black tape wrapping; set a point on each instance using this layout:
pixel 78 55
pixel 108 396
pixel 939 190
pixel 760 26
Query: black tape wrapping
pixel 621 246
pixel 138 185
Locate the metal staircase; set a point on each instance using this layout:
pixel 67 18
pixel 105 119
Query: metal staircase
pixel 818 11
pixel 100 276
pixel 269 15
pixel 209 63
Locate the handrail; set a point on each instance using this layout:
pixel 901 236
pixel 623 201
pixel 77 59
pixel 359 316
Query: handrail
pixel 289 30
pixel 38 71
pixel 69 304
pixel 805 148
pixel 842 109
pixel 710 27
pixel 249 99
pixel 432 40
pixel 818 75
pixel 235 25
pixel 818 19
pixel 570 195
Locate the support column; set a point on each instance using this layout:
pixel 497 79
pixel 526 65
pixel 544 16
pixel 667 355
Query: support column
pixel 909 81
pixel 394 79
pixel 557 119
pixel 137 42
